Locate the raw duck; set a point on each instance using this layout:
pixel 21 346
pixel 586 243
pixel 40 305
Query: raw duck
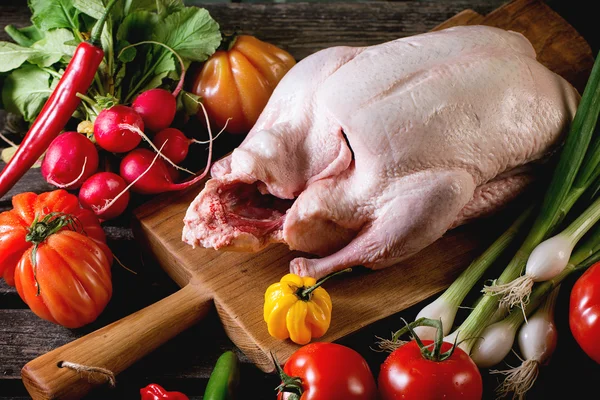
pixel 366 155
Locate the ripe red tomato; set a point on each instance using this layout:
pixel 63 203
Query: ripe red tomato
pixel 407 375
pixel 331 371
pixel 584 312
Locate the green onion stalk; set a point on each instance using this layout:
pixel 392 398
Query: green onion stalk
pixel 584 256
pixel 446 306
pixel 550 257
pixel 554 204
pixel 496 340
pixel 537 341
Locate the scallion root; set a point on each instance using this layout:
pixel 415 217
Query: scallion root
pixel 514 293
pixel 518 379
pixel 388 345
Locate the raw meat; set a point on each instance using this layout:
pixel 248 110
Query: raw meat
pixel 367 155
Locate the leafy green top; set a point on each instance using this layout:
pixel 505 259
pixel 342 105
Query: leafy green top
pixel 32 65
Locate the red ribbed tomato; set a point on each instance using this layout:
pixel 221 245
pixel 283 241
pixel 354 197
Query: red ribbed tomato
pixel 237 83
pixel 55 253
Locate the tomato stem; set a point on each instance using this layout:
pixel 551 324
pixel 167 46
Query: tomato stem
pixel 304 293
pixel 434 354
pixel 228 40
pixel 41 230
pixel 289 384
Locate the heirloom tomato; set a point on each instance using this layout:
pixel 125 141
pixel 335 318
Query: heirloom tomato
pixel 54 252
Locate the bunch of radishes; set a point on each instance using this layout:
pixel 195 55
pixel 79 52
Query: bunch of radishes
pixel 72 160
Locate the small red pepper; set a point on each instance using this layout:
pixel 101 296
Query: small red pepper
pixel 58 109
pixel 157 392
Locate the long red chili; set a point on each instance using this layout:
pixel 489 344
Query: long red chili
pixel 58 109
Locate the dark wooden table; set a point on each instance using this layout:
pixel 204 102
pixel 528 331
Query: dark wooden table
pixel 185 363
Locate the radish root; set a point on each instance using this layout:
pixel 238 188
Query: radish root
pixel 216 136
pixel 66 185
pixel 185 184
pixel 137 130
pixel 8 141
pixel 207 123
pixel 123 265
pixel 210 144
pixel 100 210
pixel 518 379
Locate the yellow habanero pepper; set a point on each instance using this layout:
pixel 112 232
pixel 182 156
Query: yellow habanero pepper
pixel 297 308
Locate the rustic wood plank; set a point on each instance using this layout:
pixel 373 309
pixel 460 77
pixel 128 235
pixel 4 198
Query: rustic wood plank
pixel 162 370
pixel 303 28
pixel 23 337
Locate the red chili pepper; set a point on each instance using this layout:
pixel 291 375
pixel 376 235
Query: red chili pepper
pixel 157 392
pixel 58 109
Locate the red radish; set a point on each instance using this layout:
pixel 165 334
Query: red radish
pixel 160 153
pixel 178 144
pixel 149 175
pixel 157 108
pixel 152 176
pixel 176 149
pixel 101 189
pixel 114 129
pixel 70 159
pixel 173 173
pixel 157 180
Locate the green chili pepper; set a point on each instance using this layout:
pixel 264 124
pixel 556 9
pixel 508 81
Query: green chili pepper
pixel 224 378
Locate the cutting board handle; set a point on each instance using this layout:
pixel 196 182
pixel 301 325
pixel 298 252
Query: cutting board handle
pixel 114 347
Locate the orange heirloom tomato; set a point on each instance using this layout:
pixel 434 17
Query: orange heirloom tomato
pixel 55 253
pixel 237 83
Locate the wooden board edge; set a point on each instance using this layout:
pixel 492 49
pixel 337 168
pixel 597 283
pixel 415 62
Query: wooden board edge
pixel 148 240
pixel 465 17
pixel 518 11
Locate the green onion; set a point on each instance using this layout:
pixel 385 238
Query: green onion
pixel 537 342
pixel 571 158
pixel 551 256
pixel 496 340
pixel 446 306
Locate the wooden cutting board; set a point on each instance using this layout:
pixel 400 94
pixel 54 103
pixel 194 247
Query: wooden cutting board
pixel 236 282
